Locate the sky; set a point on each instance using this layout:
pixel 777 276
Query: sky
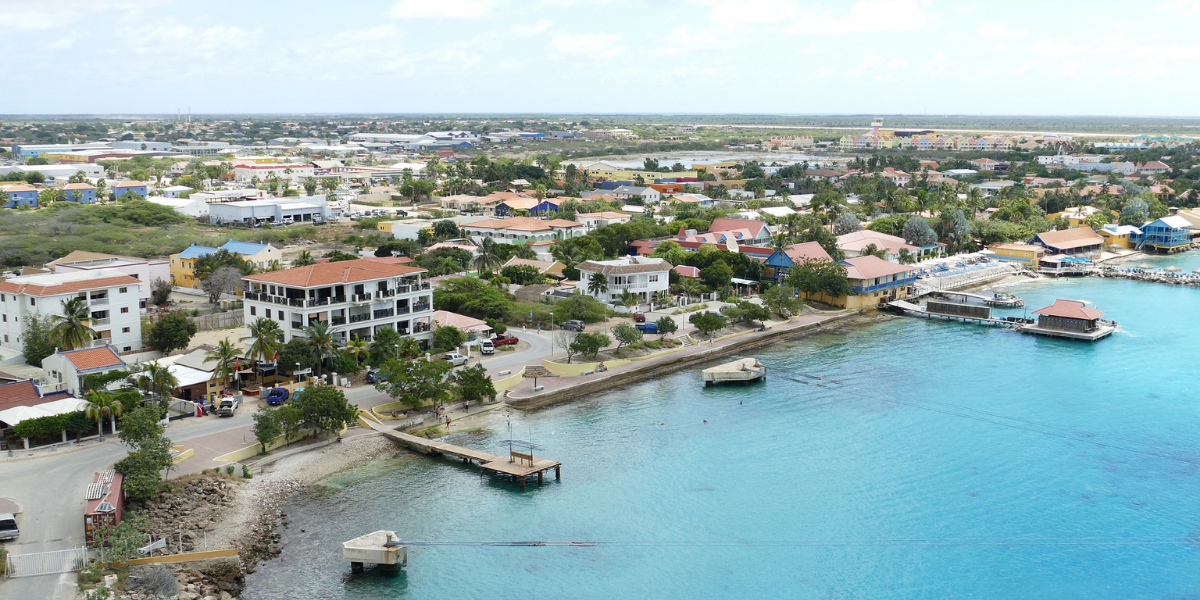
pixel 1018 57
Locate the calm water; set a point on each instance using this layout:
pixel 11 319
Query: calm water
pixel 936 432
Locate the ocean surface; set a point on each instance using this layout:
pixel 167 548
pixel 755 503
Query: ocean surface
pixel 931 460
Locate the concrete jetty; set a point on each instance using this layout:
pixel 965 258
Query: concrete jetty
pixel 381 548
pixel 743 370
pixel 518 465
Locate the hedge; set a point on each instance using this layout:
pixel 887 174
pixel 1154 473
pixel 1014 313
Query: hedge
pixel 31 428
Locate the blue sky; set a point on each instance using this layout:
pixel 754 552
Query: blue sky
pixel 1062 57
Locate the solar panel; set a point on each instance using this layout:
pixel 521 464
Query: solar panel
pixel 106 476
pixel 95 491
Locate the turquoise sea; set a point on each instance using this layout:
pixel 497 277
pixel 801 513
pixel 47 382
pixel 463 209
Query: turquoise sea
pixel 951 461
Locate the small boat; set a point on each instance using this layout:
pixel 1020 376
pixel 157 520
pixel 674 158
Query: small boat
pixel 1005 300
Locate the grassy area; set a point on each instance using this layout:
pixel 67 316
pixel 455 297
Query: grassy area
pixel 690 308
pixel 35 237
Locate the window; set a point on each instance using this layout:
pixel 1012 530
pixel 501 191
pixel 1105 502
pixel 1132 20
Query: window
pixel 268 313
pixel 653 278
pixel 127 349
pixel 6 338
pixel 33 301
pixel 124 330
pixel 124 309
pixel 123 290
pixel 253 311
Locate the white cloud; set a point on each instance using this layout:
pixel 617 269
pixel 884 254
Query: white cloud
pixel 68 41
pixel 587 46
pixel 754 11
pixel 1185 7
pixel 1000 31
pixel 35 15
pixel 531 29
pixel 442 9
pixel 867 16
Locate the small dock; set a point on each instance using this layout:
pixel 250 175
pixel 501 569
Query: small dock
pixel 1003 300
pixel 518 465
pixel 910 309
pixel 381 548
pixel 1100 332
pixel 743 370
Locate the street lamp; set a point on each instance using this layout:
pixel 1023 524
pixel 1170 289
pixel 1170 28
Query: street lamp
pixel 297 373
pixel 551 319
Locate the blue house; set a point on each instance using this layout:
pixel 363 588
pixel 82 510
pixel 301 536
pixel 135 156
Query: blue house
pixel 80 192
pixel 779 263
pixel 137 187
pixel 20 195
pixel 1165 235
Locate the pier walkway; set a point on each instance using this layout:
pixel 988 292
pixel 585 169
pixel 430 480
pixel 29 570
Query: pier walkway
pixel 908 308
pixel 518 465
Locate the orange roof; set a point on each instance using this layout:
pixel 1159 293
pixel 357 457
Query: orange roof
pixel 1070 309
pixel 93 358
pixel 870 267
pixel 17 392
pixel 1071 238
pixel 65 288
pixel 20 187
pixel 128 184
pixel 346 271
pixel 521 224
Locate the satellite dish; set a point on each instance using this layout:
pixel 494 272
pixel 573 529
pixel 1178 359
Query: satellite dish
pixel 145 550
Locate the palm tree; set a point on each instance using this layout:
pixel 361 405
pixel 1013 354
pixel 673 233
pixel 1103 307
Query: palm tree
pixel 629 299
pixel 71 329
pixel 157 380
pixel 102 405
pixel 598 284
pixel 266 339
pixel 688 286
pixel 303 259
pixel 320 337
pixel 487 258
pixel 357 348
pixel 226 357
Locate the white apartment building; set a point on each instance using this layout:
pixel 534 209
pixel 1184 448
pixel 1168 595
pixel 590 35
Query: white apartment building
pixel 355 297
pixel 640 275
pixel 142 269
pixel 291 173
pixel 113 297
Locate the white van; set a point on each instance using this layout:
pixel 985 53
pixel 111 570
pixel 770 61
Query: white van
pixel 8 526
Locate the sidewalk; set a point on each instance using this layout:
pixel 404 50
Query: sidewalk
pixel 564 388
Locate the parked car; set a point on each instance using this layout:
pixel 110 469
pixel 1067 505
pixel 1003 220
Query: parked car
pixel 639 317
pixel 375 375
pixel 505 340
pixel 287 221
pixel 8 527
pixel 277 396
pixel 647 327
pixel 572 325
pixel 455 358
pixel 487 347
pixel 227 407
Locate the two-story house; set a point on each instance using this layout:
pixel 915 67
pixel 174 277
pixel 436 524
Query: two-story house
pixel 126 187
pixel 79 192
pixel 354 297
pixel 183 265
pixel 874 280
pixel 641 275
pixel 1168 234
pixel 65 371
pixel 113 300
pixel 19 195
pixel 143 269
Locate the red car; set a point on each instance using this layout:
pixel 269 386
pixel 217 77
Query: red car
pixel 639 317
pixel 505 340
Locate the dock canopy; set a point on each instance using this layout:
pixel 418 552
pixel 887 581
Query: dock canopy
pixel 1070 309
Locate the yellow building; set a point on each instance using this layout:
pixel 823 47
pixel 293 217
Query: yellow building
pixel 603 170
pixel 183 265
pixel 1119 235
pixel 263 160
pixel 872 281
pixel 1027 254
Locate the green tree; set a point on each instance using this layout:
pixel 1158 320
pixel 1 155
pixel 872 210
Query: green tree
pixel 170 333
pixel 141 468
pixel 707 323
pixel 71 329
pixel 625 333
pixel 102 405
pixel 320 339
pixel 487 259
pixel 290 421
pixel 473 384
pixel 717 275
pixel 157 380
pixel 748 312
pixel 666 326
pixel 310 188
pixel 357 348
pixel 160 292
pixel 918 232
pixel 821 279
pixel 447 338
pixel 141 425
pixel 781 301
pixel 597 284
pixel 297 355
pixel 266 339
pixel 266 427
pixel 415 382
pixel 590 344
pixel 38 340
pixel 303 259
pixel 225 355
pixel 325 407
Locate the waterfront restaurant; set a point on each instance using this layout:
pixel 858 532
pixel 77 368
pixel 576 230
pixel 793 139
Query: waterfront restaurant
pixel 1027 254
pixel 1076 240
pixel 1072 319
pixel 873 281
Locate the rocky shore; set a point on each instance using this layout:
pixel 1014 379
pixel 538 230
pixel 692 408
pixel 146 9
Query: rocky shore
pixel 215 511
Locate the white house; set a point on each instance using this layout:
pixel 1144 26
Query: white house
pixel 648 195
pixel 641 275
pixel 294 174
pixel 142 269
pixel 354 297
pixel 192 206
pixel 597 220
pixel 113 297
pixel 64 371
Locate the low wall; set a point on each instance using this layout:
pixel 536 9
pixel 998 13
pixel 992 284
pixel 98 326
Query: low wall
pixel 609 383
pixel 187 557
pixel 576 369
pixel 509 382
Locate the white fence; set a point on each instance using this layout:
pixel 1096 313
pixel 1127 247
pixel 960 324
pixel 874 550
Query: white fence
pixel 46 563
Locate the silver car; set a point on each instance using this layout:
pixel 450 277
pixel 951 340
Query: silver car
pixel 8 526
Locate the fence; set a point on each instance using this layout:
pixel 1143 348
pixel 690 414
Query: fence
pixel 46 563
pixel 222 320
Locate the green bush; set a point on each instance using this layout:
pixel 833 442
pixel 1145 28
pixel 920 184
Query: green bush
pixel 32 428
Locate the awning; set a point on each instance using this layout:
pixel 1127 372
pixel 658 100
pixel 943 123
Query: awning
pixel 187 376
pixel 17 414
pixel 743 281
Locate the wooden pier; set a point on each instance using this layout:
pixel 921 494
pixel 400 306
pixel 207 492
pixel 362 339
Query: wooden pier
pixel 742 370
pixel 518 465
pixel 908 308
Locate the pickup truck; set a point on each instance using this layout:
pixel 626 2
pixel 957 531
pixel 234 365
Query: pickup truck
pixel 505 340
pixel 455 358
pixel 8 527
pixel 647 327
pixel 227 406
pixel 487 347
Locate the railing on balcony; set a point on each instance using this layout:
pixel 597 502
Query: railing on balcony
pixel 631 286
pixel 100 321
pixel 297 325
pixel 421 307
pixel 360 318
pixel 420 327
pixel 296 302
pixel 253 296
pixel 384 312
pixel 338 320
pixel 361 298
pixel 385 293
pixel 95 301
pixel 402 310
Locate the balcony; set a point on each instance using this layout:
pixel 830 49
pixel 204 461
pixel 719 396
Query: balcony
pixel 360 318
pixel 97 301
pixel 100 321
pixel 385 293
pixel 420 327
pixel 298 302
pixel 361 298
pixel 338 320
pixel 631 286
pixel 254 296
pixel 384 312
pixel 402 310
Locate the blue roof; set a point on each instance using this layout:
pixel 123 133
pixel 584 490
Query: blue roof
pixel 244 248
pixel 195 251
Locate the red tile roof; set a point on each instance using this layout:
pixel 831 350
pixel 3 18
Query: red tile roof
pixel 1070 309
pixel 93 358
pixel 870 267
pixel 346 271
pixel 16 392
pixel 66 288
